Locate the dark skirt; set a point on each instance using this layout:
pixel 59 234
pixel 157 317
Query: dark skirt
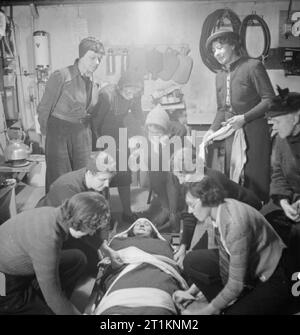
pixel 257 168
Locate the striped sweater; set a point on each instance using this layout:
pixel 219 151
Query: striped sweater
pixel 254 247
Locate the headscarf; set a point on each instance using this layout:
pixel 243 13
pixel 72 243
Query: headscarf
pixel 124 234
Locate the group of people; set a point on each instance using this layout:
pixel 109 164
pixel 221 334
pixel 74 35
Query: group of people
pixel 243 262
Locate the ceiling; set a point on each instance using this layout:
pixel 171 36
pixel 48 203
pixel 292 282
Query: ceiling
pixel 61 2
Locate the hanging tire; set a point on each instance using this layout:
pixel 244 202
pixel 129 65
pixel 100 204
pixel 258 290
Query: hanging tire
pixel 266 32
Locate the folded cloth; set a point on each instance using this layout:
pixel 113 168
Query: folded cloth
pixel 218 135
pixel 238 153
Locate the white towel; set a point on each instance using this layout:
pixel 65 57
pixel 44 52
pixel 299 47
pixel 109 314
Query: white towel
pixel 238 155
pixel 238 152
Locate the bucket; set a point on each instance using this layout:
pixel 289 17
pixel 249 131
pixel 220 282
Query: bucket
pixel 37 175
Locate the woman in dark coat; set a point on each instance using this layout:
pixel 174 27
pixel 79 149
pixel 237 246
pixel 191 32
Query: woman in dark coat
pixel 244 91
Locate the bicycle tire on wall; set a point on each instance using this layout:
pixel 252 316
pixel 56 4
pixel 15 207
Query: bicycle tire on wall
pixel 266 32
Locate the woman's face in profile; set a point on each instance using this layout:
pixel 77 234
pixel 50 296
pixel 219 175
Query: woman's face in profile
pixel 142 228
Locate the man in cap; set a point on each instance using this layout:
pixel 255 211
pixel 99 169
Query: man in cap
pixel 64 112
pixel 113 106
pixel 95 176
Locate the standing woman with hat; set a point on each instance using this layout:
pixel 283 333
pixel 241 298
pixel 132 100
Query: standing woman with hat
pixel 64 112
pixel 244 91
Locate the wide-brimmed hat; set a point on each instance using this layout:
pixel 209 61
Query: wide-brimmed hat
pixel 284 103
pixel 220 34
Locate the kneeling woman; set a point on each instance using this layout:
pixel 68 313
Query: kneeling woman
pixel 245 274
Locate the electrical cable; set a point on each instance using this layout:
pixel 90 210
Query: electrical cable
pixel 267 36
pixel 212 23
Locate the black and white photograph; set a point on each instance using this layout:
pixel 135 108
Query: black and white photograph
pixel 149 161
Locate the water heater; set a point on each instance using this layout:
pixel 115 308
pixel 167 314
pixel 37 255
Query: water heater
pixel 41 50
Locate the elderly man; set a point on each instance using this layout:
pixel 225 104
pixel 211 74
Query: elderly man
pixel 100 169
pixel 36 276
pixel 183 166
pixel 64 112
pixel 95 176
pixel 284 114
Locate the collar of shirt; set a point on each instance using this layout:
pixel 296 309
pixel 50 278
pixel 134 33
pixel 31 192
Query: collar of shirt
pixel 83 75
pixel 233 65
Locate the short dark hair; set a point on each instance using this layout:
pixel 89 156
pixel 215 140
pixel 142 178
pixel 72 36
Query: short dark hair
pixel 208 191
pixel 86 212
pixel 101 161
pixel 90 43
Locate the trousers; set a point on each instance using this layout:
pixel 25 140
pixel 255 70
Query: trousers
pixel 269 297
pixel 68 148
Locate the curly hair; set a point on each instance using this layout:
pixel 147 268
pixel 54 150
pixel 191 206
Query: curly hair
pixel 208 191
pixel 86 212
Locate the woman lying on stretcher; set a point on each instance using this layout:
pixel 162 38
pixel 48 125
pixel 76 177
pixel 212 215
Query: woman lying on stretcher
pixel 144 284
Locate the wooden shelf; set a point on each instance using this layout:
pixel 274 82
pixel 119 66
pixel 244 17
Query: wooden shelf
pixel 17 172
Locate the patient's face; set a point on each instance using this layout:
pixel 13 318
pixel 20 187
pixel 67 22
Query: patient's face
pixel 142 228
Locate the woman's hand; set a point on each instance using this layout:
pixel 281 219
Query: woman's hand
pixel 115 258
pixel 182 299
pixel 237 121
pixel 291 211
pixel 206 135
pixel 179 255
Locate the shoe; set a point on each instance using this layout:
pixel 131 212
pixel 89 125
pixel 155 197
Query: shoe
pixel 129 218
